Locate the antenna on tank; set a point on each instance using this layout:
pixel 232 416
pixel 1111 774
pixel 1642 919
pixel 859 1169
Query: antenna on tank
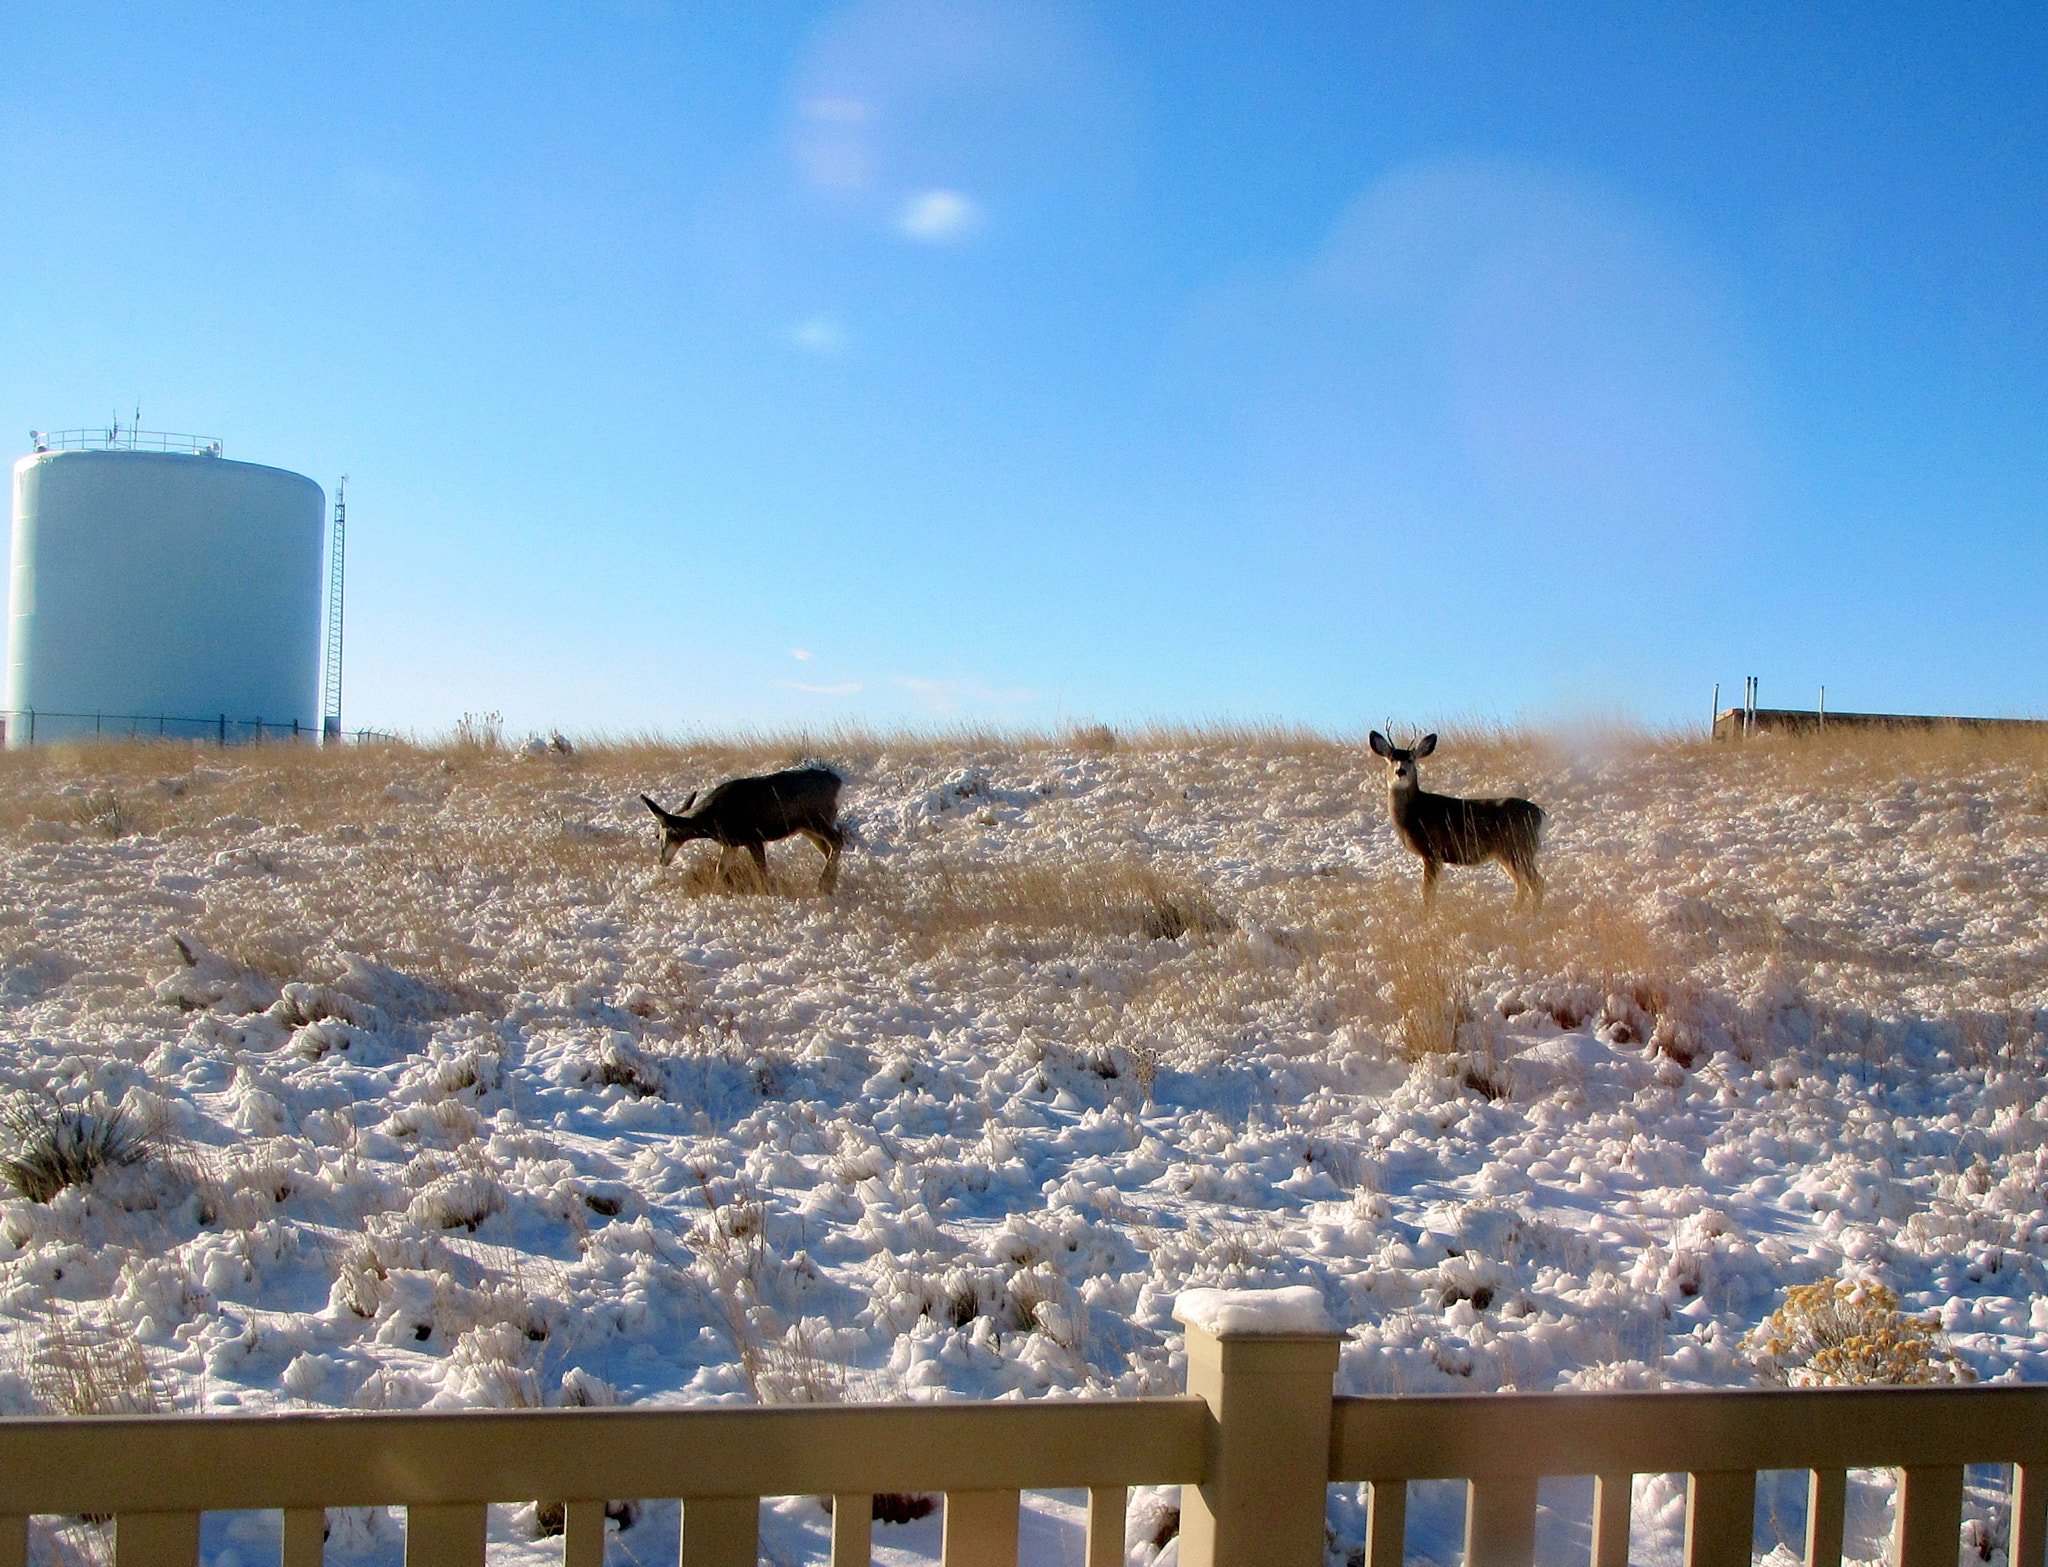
pixel 330 704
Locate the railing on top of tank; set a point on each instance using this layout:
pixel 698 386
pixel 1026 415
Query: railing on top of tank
pixel 116 438
pixel 221 729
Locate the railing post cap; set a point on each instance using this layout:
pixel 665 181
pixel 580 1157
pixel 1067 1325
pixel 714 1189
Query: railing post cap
pixel 1294 1312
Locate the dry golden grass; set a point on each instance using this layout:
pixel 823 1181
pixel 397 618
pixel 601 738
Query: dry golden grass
pixel 945 899
pixel 108 789
pixel 82 1365
pixel 1416 978
pixel 435 831
pixel 1854 759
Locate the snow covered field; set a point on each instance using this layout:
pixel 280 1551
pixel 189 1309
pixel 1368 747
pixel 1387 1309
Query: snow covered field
pixel 453 1099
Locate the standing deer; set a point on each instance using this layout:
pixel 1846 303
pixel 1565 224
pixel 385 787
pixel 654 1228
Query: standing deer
pixel 1445 830
pixel 751 813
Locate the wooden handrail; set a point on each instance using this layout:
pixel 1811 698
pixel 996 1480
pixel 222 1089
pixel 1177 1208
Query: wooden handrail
pixel 1458 1435
pixel 191 1463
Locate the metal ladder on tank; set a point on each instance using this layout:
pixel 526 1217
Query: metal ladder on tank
pixel 330 703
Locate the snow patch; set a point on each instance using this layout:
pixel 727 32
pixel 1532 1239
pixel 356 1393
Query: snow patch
pixel 1298 1309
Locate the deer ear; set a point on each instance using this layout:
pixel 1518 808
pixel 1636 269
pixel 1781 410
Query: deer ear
pixel 1379 744
pixel 1428 745
pixel 685 811
pixel 659 813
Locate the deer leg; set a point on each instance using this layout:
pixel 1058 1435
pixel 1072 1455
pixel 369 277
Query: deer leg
pixel 760 853
pixel 829 841
pixel 1430 868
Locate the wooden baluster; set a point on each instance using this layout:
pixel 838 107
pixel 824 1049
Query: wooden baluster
pixel 1500 1521
pixel 1612 1498
pixel 1928 1524
pixel 446 1536
pixel 1386 1524
pixel 1827 1494
pixel 305 1536
pixel 1720 1518
pixel 853 1530
pixel 981 1529
pixel 156 1540
pixel 14 1526
pixel 721 1531
pixel 2029 1514
pixel 583 1534
pixel 1106 1506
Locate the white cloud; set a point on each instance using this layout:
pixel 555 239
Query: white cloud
pixel 839 111
pixel 844 688
pixel 822 335
pixel 833 143
pixel 936 216
pixel 801 654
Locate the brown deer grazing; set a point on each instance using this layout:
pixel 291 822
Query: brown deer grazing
pixel 1445 830
pixel 751 813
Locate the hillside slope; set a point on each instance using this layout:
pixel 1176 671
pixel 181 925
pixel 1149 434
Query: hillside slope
pixel 446 1095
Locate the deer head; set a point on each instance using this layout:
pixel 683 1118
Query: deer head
pixel 677 827
pixel 1402 772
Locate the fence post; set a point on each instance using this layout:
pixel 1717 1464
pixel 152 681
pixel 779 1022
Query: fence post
pixel 223 728
pixel 1262 1360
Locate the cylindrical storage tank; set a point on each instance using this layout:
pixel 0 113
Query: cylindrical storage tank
pixel 162 593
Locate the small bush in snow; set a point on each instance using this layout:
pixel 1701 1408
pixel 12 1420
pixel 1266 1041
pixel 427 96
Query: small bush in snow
pixel 56 1145
pixel 461 1199
pixel 1845 1333
pixel 103 814
pixel 901 1506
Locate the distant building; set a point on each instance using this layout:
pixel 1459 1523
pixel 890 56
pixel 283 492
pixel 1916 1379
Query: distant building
pixel 1735 722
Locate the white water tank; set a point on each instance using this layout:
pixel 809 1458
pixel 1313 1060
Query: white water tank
pixel 162 592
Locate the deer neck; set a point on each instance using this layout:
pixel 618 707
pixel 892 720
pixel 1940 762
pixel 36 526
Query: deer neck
pixel 1401 798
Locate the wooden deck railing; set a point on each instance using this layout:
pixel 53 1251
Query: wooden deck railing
pixel 1505 1443
pixel 1254 1444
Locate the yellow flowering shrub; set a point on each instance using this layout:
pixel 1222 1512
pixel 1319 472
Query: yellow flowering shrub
pixel 1849 1333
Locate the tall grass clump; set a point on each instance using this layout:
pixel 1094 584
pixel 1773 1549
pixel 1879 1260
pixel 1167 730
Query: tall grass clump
pixel 1117 898
pixel 1420 977
pixel 56 1145
pixel 79 1366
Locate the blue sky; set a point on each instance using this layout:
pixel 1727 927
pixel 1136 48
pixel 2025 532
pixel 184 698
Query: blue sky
pixel 1029 362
